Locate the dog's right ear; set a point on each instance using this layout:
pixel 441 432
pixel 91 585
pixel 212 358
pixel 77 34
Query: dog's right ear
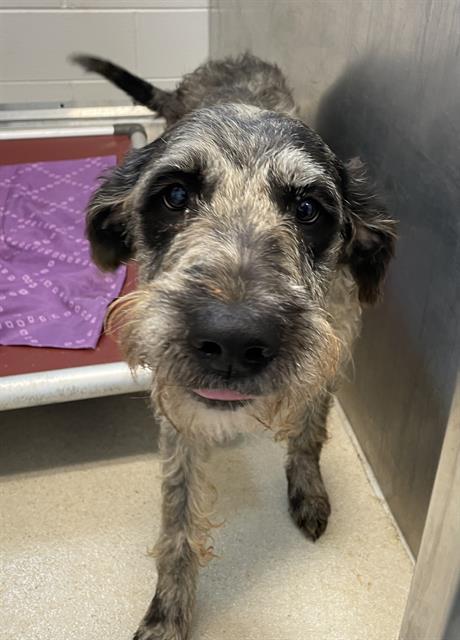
pixel 372 233
pixel 108 219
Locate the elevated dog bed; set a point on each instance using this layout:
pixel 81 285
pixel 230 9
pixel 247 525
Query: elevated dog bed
pixel 32 375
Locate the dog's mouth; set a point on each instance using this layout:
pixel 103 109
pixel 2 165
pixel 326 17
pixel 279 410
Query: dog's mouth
pixel 222 398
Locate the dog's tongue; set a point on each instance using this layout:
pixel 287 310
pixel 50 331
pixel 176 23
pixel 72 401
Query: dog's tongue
pixel 220 394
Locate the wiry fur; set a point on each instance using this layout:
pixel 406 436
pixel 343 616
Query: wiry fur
pixel 233 138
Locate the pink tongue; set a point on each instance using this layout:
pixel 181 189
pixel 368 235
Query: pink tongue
pixel 220 394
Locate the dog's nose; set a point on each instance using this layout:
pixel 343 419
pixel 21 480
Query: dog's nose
pixel 232 339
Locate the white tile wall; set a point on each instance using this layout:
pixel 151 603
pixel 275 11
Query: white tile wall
pixel 72 92
pixel 169 44
pixel 158 39
pixel 104 4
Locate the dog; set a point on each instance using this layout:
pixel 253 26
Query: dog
pixel 257 248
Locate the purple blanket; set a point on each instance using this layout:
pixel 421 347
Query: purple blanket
pixel 51 295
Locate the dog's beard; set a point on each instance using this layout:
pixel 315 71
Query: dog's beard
pixel 305 368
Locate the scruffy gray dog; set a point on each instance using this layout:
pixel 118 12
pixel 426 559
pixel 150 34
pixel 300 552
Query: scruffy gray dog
pixel 256 246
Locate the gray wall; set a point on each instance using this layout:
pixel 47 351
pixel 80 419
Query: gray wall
pixel 381 79
pixel 159 39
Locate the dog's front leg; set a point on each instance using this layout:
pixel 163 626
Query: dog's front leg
pixel 308 500
pixel 182 543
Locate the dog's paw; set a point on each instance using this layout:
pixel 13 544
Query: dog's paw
pixel 309 512
pixel 164 622
pixel 158 632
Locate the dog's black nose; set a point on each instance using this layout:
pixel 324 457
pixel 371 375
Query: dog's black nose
pixel 232 339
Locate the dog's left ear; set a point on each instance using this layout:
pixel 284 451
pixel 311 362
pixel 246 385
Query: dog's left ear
pixel 109 220
pixel 371 233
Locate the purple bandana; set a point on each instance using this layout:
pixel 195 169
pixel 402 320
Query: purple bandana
pixel 51 295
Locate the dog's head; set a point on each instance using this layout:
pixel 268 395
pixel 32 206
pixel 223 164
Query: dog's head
pixel 240 220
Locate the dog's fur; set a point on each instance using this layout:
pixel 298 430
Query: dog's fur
pixel 234 140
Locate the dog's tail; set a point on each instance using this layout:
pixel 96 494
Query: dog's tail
pixel 142 91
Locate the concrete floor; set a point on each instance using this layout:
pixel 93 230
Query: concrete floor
pixel 80 504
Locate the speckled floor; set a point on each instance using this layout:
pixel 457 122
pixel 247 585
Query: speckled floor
pixel 80 503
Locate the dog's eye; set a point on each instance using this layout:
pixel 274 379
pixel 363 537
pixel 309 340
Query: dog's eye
pixel 176 197
pixel 308 211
